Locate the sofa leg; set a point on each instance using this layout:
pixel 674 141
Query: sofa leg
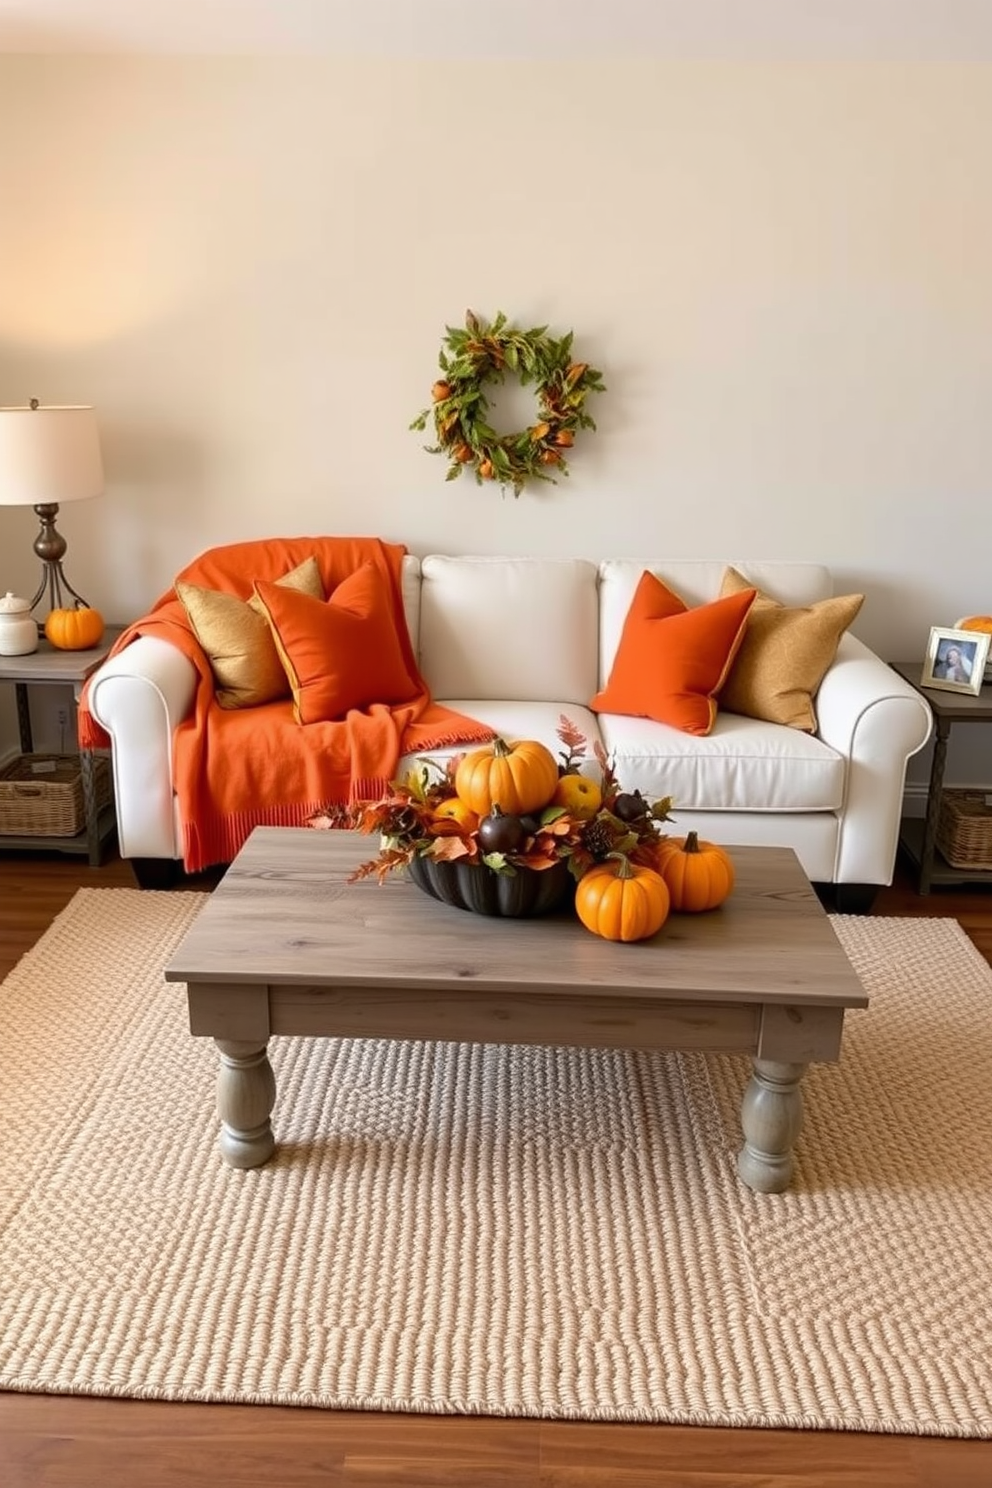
pixel 156 873
pixel 854 898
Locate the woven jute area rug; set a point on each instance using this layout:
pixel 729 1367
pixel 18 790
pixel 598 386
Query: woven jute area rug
pixel 499 1231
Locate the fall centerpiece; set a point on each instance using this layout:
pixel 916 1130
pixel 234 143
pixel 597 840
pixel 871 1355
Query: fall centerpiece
pixel 510 830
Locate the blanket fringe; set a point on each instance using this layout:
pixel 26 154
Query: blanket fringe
pixel 219 839
pixel 482 734
pixel 214 840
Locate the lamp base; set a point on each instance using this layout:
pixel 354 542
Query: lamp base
pixel 50 547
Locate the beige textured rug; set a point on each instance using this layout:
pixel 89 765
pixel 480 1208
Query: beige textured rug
pixel 456 1229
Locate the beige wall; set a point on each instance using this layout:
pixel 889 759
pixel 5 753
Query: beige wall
pixel 247 265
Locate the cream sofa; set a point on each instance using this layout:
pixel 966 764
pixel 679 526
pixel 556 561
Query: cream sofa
pixel 517 642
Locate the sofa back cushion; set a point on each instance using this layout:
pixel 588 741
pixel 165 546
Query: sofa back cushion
pixel 410 589
pixel 697 582
pixel 522 628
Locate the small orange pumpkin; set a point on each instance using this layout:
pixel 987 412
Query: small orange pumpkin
pixel 454 810
pixel 74 630
pixel 982 623
pixel 518 778
pixel 620 900
pixel 699 875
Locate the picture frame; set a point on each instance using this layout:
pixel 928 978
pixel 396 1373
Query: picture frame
pixel 955 660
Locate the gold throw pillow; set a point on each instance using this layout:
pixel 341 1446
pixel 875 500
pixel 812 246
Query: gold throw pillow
pixel 784 655
pixel 236 638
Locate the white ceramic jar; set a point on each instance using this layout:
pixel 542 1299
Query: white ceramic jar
pixel 18 629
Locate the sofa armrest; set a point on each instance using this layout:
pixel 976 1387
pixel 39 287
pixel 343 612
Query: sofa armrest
pixel 873 717
pixel 139 697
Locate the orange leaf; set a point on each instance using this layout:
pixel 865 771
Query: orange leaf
pixel 560 827
pixel 387 860
pixel 450 849
pixel 537 860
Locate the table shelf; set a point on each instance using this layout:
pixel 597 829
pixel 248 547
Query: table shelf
pixel 78 843
pixel 50 667
pixel 918 838
pixel 911 839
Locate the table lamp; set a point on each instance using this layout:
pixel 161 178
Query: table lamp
pixel 49 455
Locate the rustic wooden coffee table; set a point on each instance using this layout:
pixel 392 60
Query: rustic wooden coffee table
pixel 285 945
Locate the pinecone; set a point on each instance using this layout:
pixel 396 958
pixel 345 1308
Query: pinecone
pixel 598 837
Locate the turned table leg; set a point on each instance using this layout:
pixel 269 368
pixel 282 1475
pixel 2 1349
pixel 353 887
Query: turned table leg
pixel 772 1118
pixel 246 1093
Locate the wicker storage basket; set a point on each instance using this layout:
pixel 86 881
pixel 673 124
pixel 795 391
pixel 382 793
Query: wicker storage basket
pixel 41 795
pixel 964 828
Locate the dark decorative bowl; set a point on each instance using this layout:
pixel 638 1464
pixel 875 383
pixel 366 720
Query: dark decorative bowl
pixel 475 887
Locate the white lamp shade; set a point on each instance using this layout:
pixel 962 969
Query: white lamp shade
pixel 48 456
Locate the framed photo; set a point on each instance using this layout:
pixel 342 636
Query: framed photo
pixel 956 660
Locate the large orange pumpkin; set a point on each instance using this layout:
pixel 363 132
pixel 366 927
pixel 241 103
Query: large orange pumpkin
pixel 976 622
pixel 74 630
pixel 621 901
pixel 518 778
pixel 699 875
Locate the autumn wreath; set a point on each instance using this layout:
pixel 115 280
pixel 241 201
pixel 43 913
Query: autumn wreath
pixel 481 354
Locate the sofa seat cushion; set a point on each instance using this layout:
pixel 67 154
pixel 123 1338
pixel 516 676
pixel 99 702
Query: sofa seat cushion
pixel 521 721
pixel 743 765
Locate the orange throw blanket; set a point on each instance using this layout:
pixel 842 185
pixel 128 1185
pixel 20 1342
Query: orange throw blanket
pixel 236 769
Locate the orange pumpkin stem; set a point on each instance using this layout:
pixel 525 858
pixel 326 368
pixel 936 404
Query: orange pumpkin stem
pixel 624 869
pixel 500 747
pixel 691 843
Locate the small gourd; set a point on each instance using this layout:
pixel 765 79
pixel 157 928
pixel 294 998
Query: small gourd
pixel 620 900
pixel 76 629
pixel 519 778
pixel 501 832
pixel 699 875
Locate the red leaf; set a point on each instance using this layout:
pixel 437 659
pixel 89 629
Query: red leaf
pixel 569 733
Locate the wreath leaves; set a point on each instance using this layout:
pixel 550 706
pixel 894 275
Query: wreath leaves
pixel 484 353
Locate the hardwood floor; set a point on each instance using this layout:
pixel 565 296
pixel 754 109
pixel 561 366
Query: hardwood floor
pixel 76 1442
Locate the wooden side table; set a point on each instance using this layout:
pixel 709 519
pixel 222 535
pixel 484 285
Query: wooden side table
pixel 919 839
pixel 49 667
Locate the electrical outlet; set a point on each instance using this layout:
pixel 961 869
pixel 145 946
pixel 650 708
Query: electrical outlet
pixel 63 717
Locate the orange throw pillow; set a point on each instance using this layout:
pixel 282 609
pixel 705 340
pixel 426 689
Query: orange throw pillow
pixel 672 661
pixel 340 653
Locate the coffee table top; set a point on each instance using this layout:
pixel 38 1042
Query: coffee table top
pixel 284 913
